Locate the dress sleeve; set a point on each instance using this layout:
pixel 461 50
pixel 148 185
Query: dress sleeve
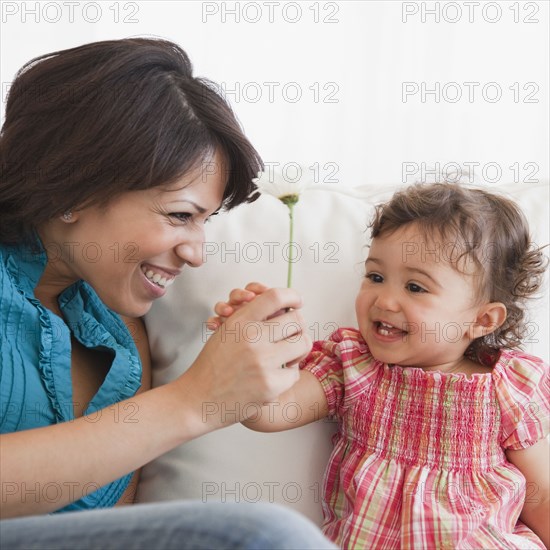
pixel 523 390
pixel 341 363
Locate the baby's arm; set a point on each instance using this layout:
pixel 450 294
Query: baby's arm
pixel 305 402
pixel 533 463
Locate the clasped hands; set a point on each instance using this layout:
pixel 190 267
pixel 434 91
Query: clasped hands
pixel 238 298
pixel 255 332
pixel 290 327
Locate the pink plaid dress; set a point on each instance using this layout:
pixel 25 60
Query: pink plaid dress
pixel 418 461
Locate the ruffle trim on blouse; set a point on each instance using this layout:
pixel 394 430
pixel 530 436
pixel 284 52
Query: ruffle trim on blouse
pixel 47 368
pixel 81 306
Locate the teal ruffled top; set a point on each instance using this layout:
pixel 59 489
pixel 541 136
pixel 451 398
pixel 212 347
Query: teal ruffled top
pixel 35 355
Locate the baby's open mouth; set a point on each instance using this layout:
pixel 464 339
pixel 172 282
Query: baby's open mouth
pixel 385 329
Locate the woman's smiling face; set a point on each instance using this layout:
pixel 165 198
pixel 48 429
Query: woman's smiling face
pixel 131 250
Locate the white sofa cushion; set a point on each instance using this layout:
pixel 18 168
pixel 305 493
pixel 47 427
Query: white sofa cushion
pixel 250 244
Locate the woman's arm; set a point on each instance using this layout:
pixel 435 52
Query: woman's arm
pixel 46 468
pixel 534 464
pixel 305 402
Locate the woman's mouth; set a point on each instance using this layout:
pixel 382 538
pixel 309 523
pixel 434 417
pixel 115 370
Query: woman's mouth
pixel 158 277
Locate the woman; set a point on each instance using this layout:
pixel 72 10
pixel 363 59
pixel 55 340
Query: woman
pixel 113 158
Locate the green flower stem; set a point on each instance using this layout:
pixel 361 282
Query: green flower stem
pixel 290 201
pixel 290 245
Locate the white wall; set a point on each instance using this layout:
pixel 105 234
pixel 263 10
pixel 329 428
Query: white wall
pixel 350 61
pixel 361 68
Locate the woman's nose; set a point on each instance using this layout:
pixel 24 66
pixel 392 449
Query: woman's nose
pixel 191 250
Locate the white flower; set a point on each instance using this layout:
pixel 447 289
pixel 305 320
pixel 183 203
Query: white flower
pixel 287 189
pixel 288 192
pixel 283 188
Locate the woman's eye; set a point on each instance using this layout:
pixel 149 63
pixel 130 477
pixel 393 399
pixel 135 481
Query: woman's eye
pixel 182 217
pixel 413 287
pixel 375 277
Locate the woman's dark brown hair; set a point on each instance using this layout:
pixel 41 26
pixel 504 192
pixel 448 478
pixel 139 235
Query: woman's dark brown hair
pixel 85 124
pixel 473 225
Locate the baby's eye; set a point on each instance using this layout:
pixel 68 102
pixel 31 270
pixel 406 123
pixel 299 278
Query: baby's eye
pixel 375 277
pixel 413 287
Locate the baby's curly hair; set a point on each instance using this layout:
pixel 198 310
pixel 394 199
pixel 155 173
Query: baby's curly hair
pixel 485 228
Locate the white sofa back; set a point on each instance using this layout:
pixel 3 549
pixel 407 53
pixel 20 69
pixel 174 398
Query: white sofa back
pixel 251 244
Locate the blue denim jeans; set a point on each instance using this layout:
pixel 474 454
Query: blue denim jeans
pixel 181 525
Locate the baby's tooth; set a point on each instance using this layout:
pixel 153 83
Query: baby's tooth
pixel 149 274
pixel 162 282
pixel 156 278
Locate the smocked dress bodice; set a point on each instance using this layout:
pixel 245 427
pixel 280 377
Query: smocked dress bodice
pixel 419 459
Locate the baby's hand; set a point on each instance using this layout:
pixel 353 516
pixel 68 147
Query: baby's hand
pixel 238 298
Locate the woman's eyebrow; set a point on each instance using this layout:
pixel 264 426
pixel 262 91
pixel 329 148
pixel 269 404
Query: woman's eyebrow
pixel 199 209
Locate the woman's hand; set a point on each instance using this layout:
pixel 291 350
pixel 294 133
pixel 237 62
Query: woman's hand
pixel 239 368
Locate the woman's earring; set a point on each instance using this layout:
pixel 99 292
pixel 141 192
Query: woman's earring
pixel 68 216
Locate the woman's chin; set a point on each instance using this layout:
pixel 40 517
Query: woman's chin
pixel 130 306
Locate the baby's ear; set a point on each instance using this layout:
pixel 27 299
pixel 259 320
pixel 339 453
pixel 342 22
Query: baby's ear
pixel 489 317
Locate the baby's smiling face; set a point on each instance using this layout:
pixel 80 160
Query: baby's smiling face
pixel 415 307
